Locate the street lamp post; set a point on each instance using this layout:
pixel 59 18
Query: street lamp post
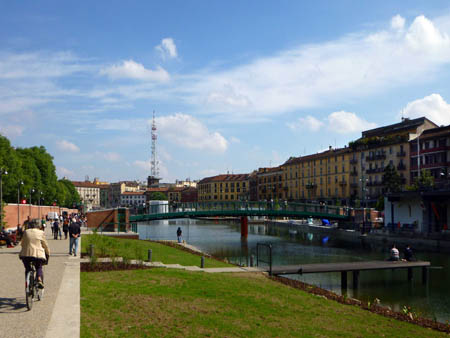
pixel 363 191
pixel 2 172
pixel 31 191
pixel 18 202
pixel 39 203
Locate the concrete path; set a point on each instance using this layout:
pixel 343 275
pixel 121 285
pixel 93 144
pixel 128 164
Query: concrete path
pixel 183 267
pixel 58 313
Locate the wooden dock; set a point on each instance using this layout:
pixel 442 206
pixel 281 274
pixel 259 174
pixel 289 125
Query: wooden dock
pixel 354 267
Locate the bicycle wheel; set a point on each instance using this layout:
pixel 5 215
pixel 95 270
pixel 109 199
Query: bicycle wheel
pixel 29 288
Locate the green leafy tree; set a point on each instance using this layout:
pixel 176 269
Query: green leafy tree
pixel 158 196
pixel 10 162
pixel 424 181
pixel 71 196
pixel 392 179
pixel 380 203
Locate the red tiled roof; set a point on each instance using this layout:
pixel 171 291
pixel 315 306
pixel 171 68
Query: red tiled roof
pixel 225 177
pixel 163 189
pixel 133 193
pixel 326 153
pixel 83 184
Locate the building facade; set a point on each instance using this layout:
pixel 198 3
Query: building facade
pixel 322 177
pixel 132 199
pixel 229 187
pixel 431 151
pixel 376 149
pixel 89 194
pixel 269 184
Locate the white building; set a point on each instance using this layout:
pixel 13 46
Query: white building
pixel 132 198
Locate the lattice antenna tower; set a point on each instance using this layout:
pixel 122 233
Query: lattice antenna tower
pixel 154 165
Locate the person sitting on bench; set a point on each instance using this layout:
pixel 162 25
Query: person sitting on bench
pixel 395 254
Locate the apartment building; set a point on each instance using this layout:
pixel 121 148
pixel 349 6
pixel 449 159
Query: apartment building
pixel 431 151
pixel 227 187
pixel 89 194
pixel 376 149
pixel 324 176
pixel 269 183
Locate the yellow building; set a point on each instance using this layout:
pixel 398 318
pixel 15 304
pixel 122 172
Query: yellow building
pixel 318 177
pixel 269 183
pixel 229 187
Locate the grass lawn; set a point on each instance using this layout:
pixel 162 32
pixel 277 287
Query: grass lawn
pixel 176 303
pixel 136 249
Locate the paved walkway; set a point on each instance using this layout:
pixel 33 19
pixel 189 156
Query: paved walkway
pixel 58 314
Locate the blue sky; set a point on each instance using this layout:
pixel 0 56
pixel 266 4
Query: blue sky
pixel 235 85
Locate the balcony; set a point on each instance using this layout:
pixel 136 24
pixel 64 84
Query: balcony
pixel 311 185
pixel 354 185
pixel 353 161
pixel 401 154
pixel 375 157
pixel 401 166
pixel 353 173
pixel 343 182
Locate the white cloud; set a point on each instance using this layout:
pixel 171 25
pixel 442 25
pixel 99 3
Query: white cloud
pixel 142 165
pixel 188 132
pixel 167 48
pixel 433 107
pixel 130 69
pixel 340 122
pixel 11 131
pixel 343 122
pixel 64 172
pixel 354 66
pixel 306 123
pixel 111 156
pixel 397 22
pixel 67 146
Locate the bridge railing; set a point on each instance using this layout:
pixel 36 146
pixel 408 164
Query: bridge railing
pixel 281 206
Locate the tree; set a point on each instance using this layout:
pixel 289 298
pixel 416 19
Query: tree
pixel 380 203
pixel 392 179
pixel 424 181
pixel 158 196
pixel 71 196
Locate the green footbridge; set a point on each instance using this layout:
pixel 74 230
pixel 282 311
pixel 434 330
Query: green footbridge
pixel 241 209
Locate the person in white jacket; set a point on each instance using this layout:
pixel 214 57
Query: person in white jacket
pixel 34 250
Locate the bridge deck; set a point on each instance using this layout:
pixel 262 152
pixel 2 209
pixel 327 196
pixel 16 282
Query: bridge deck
pixel 344 267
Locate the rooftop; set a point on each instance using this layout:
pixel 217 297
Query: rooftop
pixel 404 126
pixel 225 178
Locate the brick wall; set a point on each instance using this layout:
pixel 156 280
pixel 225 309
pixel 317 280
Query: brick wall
pixel 12 219
pixel 107 219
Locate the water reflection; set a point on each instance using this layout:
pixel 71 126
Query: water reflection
pixel 293 246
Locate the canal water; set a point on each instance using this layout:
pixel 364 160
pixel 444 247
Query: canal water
pixel 291 246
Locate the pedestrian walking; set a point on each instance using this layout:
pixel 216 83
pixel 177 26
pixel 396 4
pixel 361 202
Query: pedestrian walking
pixel 179 233
pixel 55 229
pixel 66 229
pixel 74 234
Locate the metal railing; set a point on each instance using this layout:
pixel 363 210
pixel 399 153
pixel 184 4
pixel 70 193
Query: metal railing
pixel 258 256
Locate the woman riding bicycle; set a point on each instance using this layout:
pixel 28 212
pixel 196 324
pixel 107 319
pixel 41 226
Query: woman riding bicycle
pixel 34 250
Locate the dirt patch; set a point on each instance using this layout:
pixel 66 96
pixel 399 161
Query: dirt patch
pixel 380 310
pixel 109 266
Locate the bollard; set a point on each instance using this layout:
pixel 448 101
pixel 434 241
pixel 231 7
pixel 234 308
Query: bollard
pixel 252 259
pixel 149 255
pixel 202 262
pixel 91 250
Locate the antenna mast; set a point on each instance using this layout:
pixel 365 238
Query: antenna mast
pixel 154 169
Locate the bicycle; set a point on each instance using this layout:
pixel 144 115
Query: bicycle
pixel 32 290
